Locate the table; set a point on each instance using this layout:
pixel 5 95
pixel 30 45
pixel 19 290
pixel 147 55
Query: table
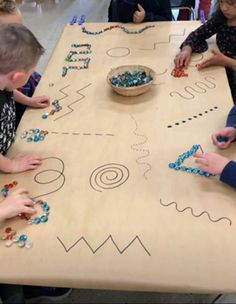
pixel 120 218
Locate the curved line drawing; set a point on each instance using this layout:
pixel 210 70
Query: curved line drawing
pixel 196 215
pixel 197 84
pixel 125 48
pixel 60 174
pixel 194 116
pixel 108 177
pixel 134 147
pixel 109 238
pixel 196 59
pixel 77 100
pixel 162 73
pixel 164 42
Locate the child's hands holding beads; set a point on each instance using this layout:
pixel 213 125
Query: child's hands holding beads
pixel 182 59
pixel 211 162
pixel 15 203
pixel 39 102
pixel 227 135
pixel 216 58
pixel 139 15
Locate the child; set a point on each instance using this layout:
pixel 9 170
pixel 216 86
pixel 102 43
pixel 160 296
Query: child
pixel 217 164
pixel 223 24
pixel 139 11
pixel 9 13
pixel 19 53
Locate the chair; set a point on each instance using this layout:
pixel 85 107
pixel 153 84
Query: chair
pixel 183 5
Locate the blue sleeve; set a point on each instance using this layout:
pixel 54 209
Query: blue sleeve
pixel 231 119
pixel 164 14
pixel 197 38
pixel 228 175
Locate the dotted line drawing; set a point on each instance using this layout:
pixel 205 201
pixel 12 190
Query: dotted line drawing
pixel 199 85
pixel 77 100
pixel 191 118
pixel 136 148
pixel 165 42
pixel 109 176
pixel 60 175
pixel 196 215
pixel 108 239
pixel 125 49
pixel 85 134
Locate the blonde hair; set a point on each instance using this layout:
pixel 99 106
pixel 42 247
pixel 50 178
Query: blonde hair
pixel 19 48
pixel 7 6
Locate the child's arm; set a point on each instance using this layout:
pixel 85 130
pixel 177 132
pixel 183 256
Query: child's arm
pixel 217 58
pixel 34 102
pixel 19 163
pixel 15 203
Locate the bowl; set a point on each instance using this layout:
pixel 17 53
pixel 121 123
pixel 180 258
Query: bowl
pixel 134 90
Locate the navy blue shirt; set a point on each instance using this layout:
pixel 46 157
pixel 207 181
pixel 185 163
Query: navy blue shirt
pixel 155 10
pixel 228 174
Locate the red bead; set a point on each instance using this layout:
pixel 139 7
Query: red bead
pixel 8 230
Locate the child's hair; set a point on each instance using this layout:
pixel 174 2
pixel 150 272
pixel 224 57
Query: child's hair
pixel 7 6
pixel 19 49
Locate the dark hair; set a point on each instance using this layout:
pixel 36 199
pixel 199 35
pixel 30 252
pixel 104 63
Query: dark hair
pixel 218 16
pixel 19 49
pixel 7 6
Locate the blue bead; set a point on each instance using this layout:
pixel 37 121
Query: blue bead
pixel 43 218
pixel 222 138
pixel 172 165
pixel 22 237
pixel 36 220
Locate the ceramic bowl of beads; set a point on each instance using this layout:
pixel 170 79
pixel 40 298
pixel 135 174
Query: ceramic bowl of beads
pixel 131 80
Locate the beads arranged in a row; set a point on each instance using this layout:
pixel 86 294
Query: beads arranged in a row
pixel 124 29
pixel 130 79
pixel 7 187
pixel 177 164
pixel 44 217
pixel 56 108
pixel 86 61
pixel 34 135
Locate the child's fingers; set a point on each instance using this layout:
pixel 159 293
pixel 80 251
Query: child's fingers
pixel 29 210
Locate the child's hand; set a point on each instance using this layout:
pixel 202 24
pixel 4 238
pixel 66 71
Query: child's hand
pixel 217 58
pixel 228 132
pixel 21 163
pixel 39 102
pixel 139 15
pixel 182 59
pixel 15 203
pixel 211 162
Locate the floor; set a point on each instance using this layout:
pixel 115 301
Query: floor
pixel 46 21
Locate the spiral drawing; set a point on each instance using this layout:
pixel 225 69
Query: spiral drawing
pixel 108 177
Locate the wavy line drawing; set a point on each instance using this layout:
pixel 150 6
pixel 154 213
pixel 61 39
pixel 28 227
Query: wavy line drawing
pixel 194 116
pixel 197 84
pixel 60 175
pixel 109 238
pixel 127 53
pixel 197 215
pixel 135 147
pixel 109 176
pixel 77 100
pixel 165 42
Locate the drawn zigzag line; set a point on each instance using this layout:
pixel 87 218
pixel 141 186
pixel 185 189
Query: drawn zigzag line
pixel 164 42
pixel 64 93
pixel 77 100
pixel 196 215
pixel 109 238
pixel 145 151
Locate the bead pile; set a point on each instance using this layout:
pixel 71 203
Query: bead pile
pixel 130 79
pixel 11 238
pixel 34 135
pixel 56 108
pixel 222 138
pixel 179 72
pixel 7 187
pixel 177 165
pixel 124 29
